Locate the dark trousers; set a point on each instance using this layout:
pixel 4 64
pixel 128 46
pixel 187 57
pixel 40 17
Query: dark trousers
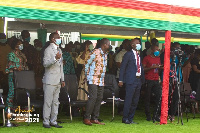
pixel 4 82
pixel 153 86
pixel 131 99
pixel 122 94
pixel 173 99
pixel 94 101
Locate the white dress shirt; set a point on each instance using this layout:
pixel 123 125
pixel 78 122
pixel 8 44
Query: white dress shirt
pixel 56 47
pixel 137 73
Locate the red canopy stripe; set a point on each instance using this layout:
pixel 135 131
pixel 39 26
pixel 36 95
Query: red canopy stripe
pixel 138 5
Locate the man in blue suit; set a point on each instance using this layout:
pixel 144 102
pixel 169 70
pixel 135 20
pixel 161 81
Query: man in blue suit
pixel 132 74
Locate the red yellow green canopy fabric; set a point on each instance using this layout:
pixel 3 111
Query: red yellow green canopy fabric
pixel 125 13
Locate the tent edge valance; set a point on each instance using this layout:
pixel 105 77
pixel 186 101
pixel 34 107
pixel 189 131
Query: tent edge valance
pixel 121 38
pixel 72 17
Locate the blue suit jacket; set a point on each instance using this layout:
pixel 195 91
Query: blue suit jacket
pixel 128 69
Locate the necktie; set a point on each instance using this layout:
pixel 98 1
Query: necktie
pixel 138 62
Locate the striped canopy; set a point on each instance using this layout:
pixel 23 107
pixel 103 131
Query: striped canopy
pixel 145 14
pixel 143 38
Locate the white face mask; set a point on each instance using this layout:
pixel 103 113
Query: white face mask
pixel 138 47
pixel 21 47
pixel 58 41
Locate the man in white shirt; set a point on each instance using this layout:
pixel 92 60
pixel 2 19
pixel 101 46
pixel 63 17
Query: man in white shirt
pixel 53 80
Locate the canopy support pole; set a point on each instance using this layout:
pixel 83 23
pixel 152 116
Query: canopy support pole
pixel 165 87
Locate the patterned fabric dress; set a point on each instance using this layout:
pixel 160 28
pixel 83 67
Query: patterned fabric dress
pixel 15 60
pixel 68 65
pixel 82 83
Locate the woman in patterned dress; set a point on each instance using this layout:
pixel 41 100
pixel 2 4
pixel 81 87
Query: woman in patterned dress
pixel 16 62
pixel 81 59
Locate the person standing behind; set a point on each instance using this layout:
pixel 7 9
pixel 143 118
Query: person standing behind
pixel 38 68
pixel 95 70
pixel 120 55
pixel 4 50
pixel 16 62
pixel 118 60
pixel 68 64
pixel 151 64
pixel 131 73
pixel 28 49
pixel 194 79
pixel 154 41
pixel 52 81
pixel 147 46
pixel 81 59
pixel 173 86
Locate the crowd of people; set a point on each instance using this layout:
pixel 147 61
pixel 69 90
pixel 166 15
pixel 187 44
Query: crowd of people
pixel 137 72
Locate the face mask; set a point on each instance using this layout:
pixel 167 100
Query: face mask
pixel 156 53
pixel 58 41
pixel 28 39
pixel 38 48
pixel 91 47
pixel 20 46
pixel 3 40
pixel 138 47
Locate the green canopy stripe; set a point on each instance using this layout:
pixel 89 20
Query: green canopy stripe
pixel 26 13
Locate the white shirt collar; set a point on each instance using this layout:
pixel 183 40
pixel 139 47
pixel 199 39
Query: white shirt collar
pixel 134 51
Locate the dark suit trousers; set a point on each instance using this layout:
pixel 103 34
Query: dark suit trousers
pixel 153 86
pixel 94 101
pixel 131 99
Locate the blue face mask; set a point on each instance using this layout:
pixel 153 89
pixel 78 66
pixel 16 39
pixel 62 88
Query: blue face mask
pixel 3 40
pixel 28 39
pixel 138 47
pixel 21 47
pixel 156 53
pixel 58 41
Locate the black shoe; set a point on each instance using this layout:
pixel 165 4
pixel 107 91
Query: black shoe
pixel 126 121
pixel 100 120
pixel 46 126
pixel 148 115
pixel 57 126
pixel 132 122
pixel 148 119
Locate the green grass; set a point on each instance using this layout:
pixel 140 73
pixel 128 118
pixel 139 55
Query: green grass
pixel 111 127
